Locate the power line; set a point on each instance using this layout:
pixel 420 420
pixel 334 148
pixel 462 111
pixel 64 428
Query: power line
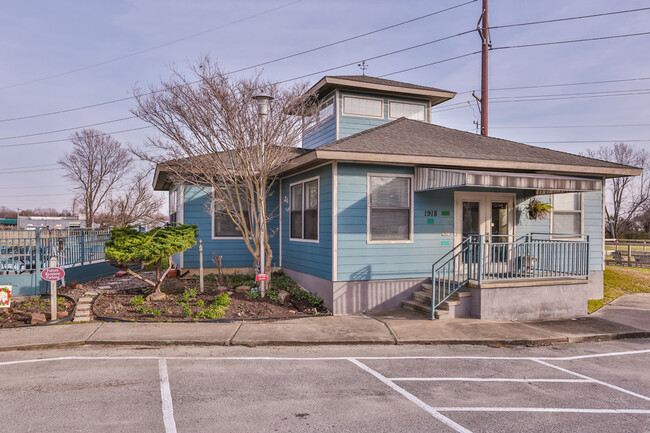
pixel 630 125
pixel 572 41
pixel 36 195
pixel 29 171
pixel 69 129
pixel 430 64
pixel 28 166
pixel 555 20
pixel 559 85
pixel 587 141
pixel 67 140
pixel 51 113
pixel 115 59
pixel 534 99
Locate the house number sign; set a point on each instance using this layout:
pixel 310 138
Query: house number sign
pixel 430 213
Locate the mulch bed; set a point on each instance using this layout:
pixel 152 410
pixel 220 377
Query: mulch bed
pixel 183 304
pixel 20 313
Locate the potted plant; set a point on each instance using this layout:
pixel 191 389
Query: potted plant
pixel 538 209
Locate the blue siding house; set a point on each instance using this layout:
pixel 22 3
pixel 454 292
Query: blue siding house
pixel 383 208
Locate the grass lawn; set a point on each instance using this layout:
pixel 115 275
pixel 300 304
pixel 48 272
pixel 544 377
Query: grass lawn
pixel 619 281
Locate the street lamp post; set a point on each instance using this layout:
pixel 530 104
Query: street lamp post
pixel 263 100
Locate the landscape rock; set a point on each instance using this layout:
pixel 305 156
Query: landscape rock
pixel 121 273
pixel 242 289
pixel 222 289
pixel 283 295
pixel 61 314
pixel 38 318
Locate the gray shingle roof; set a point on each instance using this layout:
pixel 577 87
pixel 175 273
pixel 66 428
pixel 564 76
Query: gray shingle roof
pixel 385 82
pixel 413 138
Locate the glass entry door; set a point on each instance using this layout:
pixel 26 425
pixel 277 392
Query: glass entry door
pixel 487 214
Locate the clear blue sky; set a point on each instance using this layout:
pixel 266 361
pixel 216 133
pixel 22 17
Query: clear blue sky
pixel 68 54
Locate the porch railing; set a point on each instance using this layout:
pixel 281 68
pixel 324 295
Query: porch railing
pixel 483 258
pixel 27 251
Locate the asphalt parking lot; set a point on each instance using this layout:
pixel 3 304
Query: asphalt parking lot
pixel 569 388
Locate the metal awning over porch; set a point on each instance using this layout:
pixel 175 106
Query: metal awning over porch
pixel 427 179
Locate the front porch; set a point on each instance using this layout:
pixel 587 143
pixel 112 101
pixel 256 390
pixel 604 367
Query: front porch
pixel 506 278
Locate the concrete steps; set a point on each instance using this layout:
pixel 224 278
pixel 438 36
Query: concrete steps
pixel 458 304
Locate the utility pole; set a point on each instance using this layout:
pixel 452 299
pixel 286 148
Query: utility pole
pixel 483 31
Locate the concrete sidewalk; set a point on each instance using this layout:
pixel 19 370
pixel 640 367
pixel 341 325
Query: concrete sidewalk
pixel 627 317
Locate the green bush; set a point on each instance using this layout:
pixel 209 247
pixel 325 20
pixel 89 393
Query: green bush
pixel 137 300
pixel 217 309
pixel 240 280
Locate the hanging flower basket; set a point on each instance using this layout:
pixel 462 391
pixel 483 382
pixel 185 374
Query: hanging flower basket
pixel 538 209
pixel 5 296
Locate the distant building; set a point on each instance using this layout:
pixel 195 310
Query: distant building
pixel 50 222
pixel 8 222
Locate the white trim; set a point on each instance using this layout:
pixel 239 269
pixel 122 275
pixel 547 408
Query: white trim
pixel 298 173
pixel 363 115
pixel 411 238
pixel 423 105
pixel 484 199
pixel 335 222
pixel 582 218
pixel 337 112
pixel 304 181
pixel 280 231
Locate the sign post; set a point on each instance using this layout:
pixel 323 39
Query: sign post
pixel 53 274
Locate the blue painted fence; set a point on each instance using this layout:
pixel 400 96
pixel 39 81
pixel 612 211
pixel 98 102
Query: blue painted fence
pixel 24 253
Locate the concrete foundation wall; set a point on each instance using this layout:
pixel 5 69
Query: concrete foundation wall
pixel 527 302
pixel 319 286
pixel 351 297
pixel 595 287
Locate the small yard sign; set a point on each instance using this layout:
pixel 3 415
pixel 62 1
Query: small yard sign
pixel 262 277
pixel 5 296
pixel 52 274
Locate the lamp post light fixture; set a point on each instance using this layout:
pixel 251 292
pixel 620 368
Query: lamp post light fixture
pixel 263 100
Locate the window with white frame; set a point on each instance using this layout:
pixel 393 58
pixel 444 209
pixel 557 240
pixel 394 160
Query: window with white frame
pixel 222 224
pixel 567 213
pixel 173 206
pixel 326 111
pixel 304 210
pixel 368 107
pixel 390 208
pixel 408 110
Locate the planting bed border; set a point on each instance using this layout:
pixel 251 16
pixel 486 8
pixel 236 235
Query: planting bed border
pixel 255 319
pixel 65 319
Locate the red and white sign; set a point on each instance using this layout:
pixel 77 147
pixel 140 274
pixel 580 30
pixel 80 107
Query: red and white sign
pixel 52 274
pixel 262 277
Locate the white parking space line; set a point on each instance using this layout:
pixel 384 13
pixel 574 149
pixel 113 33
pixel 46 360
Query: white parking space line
pixel 335 358
pixel 482 379
pixel 411 397
pixel 166 395
pixel 539 409
pixel 618 388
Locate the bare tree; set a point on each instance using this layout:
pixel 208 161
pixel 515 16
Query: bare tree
pixel 137 203
pixel 96 165
pixel 214 139
pixel 627 196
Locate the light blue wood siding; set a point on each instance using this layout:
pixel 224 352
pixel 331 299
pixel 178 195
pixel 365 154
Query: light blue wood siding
pixel 593 226
pixel 310 257
pixel 349 125
pixel 234 251
pixel 323 134
pixel 359 260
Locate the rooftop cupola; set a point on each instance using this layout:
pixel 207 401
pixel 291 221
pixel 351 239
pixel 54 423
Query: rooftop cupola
pixel 353 103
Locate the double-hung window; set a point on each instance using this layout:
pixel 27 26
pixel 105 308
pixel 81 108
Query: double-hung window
pixel 390 208
pixel 567 214
pixel 222 225
pixel 304 210
pixel 365 107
